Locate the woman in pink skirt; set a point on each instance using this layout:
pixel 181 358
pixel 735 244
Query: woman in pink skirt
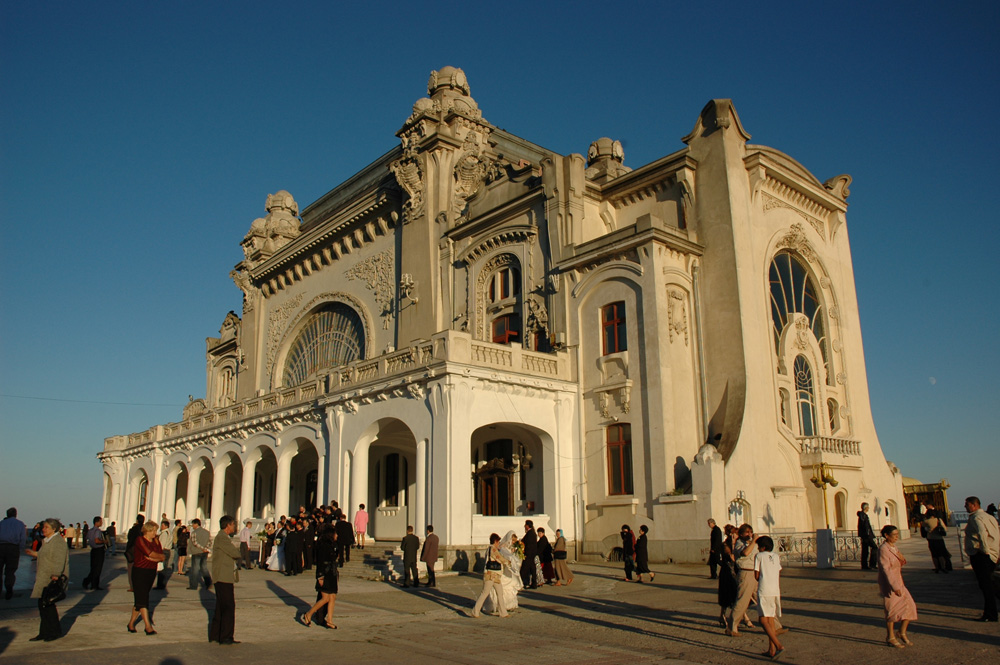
pixel 899 605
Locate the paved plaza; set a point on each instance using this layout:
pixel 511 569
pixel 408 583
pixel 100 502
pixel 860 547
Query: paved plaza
pixel 835 616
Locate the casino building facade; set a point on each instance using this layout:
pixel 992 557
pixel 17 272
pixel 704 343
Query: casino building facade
pixel 474 330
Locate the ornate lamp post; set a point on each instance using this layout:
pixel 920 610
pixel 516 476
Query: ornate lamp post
pixel 823 476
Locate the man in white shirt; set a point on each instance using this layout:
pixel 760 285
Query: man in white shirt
pixel 167 543
pixel 982 544
pixel 245 535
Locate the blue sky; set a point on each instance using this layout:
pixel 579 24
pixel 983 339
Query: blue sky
pixel 139 140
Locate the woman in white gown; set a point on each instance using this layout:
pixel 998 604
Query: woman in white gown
pixel 510 582
pixel 277 558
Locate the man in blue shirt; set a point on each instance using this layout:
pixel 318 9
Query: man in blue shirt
pixel 12 543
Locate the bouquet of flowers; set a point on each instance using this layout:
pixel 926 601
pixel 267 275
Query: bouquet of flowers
pixel 519 550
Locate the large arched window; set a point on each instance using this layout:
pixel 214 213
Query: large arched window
pixel 805 401
pixel 333 336
pixel 793 292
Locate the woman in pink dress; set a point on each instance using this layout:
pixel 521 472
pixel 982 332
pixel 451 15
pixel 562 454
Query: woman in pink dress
pixel 360 526
pixel 899 605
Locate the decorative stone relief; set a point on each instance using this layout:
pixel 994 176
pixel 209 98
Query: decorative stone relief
pixel 377 274
pixel 538 316
pixel 470 173
pixel 842 378
pixel 230 327
pixel 416 390
pixel 276 324
pixel 242 279
pixel 271 233
pixel 677 322
pixel 194 407
pixel 411 178
pixel 801 332
pixel 771 202
pixel 795 240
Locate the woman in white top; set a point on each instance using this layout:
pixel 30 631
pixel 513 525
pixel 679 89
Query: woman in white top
pixel 767 568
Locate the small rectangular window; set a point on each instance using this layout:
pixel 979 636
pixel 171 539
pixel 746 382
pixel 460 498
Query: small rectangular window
pixel 506 329
pixel 619 459
pixel 613 328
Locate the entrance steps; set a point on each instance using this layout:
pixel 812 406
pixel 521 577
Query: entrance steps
pixel 383 561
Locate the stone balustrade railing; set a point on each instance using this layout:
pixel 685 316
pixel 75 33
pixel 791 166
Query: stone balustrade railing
pixel 829 444
pixel 447 347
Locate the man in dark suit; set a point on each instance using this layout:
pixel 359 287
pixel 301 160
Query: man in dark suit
pixel 529 572
pixel 294 543
pixel 410 545
pixel 345 539
pixel 715 552
pixel 429 554
pixel 95 541
pixel 869 549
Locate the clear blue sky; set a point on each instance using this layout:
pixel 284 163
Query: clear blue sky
pixel 139 140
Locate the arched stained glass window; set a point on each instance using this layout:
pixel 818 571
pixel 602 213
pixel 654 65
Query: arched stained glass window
pixel 804 397
pixel 333 336
pixel 793 292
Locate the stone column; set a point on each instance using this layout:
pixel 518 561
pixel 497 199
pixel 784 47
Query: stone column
pixel 194 480
pixel 155 489
pixel 281 485
pixel 421 488
pixel 359 480
pixel 218 493
pixel 170 496
pixel 246 489
pixel 320 480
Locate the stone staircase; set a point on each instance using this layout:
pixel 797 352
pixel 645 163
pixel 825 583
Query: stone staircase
pixel 382 561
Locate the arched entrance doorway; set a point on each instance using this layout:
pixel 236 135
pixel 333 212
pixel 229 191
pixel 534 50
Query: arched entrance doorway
pixel 507 471
pixel 392 481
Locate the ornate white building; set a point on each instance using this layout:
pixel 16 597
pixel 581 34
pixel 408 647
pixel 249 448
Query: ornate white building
pixel 474 329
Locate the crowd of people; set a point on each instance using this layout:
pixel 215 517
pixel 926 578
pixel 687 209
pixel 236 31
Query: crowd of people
pixel 746 565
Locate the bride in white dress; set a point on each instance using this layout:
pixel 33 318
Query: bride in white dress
pixel 510 581
pixel 277 559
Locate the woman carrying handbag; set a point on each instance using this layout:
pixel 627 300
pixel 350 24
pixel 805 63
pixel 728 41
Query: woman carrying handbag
pixel 51 579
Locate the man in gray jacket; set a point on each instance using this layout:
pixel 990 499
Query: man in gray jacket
pixel 982 544
pixel 198 554
pixel 224 558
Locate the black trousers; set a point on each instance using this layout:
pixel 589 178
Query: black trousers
pixel 96 565
pixel 410 574
pixel 713 564
pixel 224 619
pixel 307 555
pixel 869 554
pixel 10 556
pixel 984 566
pixel 529 573
pixel 430 574
pixel 293 562
pixel 49 627
pixel 163 576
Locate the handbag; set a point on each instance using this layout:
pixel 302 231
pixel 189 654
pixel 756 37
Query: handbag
pixel 54 591
pixel 491 564
pixel 559 555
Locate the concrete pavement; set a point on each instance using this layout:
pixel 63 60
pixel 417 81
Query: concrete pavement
pixel 835 616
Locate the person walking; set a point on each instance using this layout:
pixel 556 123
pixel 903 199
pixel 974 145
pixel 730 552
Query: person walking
pixel 133 534
pixel 492 576
pixel 869 547
pixel 559 557
pixel 327 577
pixel 111 539
pixel 183 536
pixel 146 554
pixel 982 544
pixel 198 553
pixel 429 554
pixel 727 581
pixel 715 549
pixel 767 569
pixel 410 544
pixel 898 602
pixel 628 551
pixel 345 538
pixel 545 557
pixel 95 541
pixel 224 558
pixel 13 539
pixel 52 568
pixel 642 556
pixel 936 534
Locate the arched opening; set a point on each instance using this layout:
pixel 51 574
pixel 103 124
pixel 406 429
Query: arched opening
pixel 793 292
pixel 232 485
pixel 892 515
pixel 332 336
pixel 507 471
pixel 840 510
pixel 302 476
pixel 805 399
pixel 265 484
pixel 140 488
pixel 203 496
pixel 108 488
pixel 392 482
pixel 175 499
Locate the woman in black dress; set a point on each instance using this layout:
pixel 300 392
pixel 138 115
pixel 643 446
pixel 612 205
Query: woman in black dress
pixel 727 581
pixel 642 555
pixel 182 547
pixel 327 574
pixel 628 551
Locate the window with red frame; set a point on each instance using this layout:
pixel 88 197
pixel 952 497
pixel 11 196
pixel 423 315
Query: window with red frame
pixel 505 283
pixel 613 327
pixel 620 459
pixel 506 329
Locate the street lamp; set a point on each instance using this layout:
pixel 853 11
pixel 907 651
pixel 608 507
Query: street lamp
pixel 823 476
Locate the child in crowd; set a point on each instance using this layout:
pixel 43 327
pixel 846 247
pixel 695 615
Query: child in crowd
pixel 766 567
